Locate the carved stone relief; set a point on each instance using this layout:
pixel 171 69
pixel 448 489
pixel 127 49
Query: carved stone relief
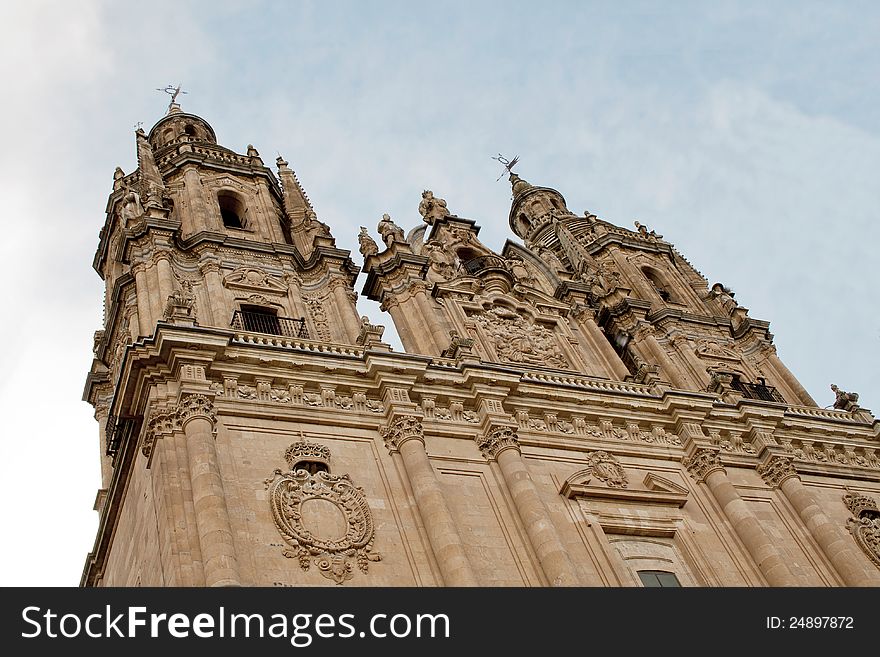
pixel 250 278
pixel 324 519
pixel 315 304
pixel 515 340
pixel 864 525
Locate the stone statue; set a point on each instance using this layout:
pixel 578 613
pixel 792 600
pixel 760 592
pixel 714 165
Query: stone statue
pixel 432 208
pixel 845 401
pixel 132 208
pixel 550 259
pixel 644 232
pixel 368 245
pixel 313 224
pixel 390 231
pixel 724 295
pixel 440 261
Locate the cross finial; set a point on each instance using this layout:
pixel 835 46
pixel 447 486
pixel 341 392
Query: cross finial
pixel 508 164
pixel 172 91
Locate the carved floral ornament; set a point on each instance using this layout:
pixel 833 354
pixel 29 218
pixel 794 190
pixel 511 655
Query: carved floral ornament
pixel 864 525
pixel 165 420
pixel 401 429
pixel 323 518
pixel 703 463
pixel 496 441
pixel 777 470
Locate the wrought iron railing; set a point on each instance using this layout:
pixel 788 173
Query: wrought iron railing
pixel 758 390
pixel 480 263
pixel 256 322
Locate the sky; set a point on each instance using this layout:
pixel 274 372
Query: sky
pixel 747 133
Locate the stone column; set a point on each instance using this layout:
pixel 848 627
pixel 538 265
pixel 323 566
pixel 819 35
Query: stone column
pixel 705 466
pixel 166 277
pixel 405 439
pixel 146 322
pixel 501 444
pixel 345 309
pixel 779 472
pixel 197 420
pixel 220 316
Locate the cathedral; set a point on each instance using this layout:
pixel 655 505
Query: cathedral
pixel 581 408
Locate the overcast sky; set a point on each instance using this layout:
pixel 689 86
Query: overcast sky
pixel 749 137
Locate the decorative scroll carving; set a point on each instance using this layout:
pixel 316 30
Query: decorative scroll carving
pixel 194 406
pixel 496 441
pixel 703 463
pixel 517 341
pixel 322 517
pixel 315 304
pixel 864 525
pixel 605 467
pixel 401 429
pixel 777 470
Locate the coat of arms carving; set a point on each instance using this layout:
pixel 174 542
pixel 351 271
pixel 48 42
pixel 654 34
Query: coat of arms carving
pixel 324 519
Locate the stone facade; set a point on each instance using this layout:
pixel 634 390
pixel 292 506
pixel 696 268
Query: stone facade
pixel 581 409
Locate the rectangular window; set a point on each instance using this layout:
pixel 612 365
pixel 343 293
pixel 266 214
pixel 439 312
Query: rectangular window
pixel 658 578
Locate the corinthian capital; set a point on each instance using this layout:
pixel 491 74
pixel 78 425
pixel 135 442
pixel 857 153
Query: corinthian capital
pixel 496 440
pixel 401 429
pixel 703 463
pixel 776 470
pixel 195 406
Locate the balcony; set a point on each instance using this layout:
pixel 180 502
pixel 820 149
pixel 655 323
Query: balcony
pixel 758 390
pixel 263 322
pixel 481 263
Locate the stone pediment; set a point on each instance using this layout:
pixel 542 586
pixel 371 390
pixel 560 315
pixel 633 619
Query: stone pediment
pixel 711 349
pixel 252 279
pixel 659 490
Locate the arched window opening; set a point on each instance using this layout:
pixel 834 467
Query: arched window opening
pixel 231 210
pixel 657 282
pixel 189 130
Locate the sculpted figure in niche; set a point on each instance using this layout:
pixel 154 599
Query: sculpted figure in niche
pixel 390 231
pixel 440 261
pixel 845 401
pixel 432 208
pixel 131 206
pixel 520 271
pixel 368 245
pixel 553 262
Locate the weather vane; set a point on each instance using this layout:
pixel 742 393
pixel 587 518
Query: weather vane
pixel 172 91
pixel 508 164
